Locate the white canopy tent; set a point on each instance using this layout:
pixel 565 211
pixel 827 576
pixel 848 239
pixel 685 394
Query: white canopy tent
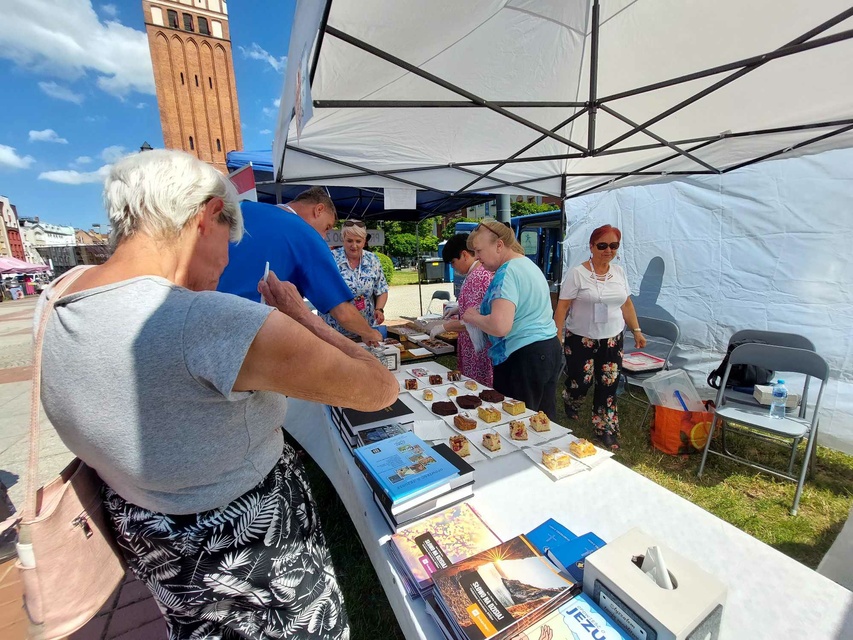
pixel 559 97
pixel 573 97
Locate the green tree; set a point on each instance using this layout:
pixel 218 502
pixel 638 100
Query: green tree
pixel 526 208
pixel 401 244
pixel 400 238
pixel 450 229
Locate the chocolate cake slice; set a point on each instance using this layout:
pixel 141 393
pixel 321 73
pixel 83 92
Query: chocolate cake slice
pixel 444 408
pixel 468 402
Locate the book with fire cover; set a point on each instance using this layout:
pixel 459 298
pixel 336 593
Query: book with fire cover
pixel 500 592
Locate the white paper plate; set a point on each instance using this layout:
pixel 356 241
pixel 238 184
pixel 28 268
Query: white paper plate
pixel 507 445
pixel 419 352
pixel 432 430
pixel 557 431
pixel 472 413
pixel 535 454
pixel 533 438
pixel 591 461
pixel 439 394
pixel 463 390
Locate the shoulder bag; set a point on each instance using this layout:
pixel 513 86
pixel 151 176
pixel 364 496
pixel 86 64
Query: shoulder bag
pixel 67 557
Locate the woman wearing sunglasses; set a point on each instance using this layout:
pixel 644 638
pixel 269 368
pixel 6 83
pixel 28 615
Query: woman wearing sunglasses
pixel 362 272
pixel 595 296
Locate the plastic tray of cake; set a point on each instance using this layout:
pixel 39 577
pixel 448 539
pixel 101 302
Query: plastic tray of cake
pixel 438 347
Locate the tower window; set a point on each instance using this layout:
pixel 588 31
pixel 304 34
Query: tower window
pixel 210 81
pixel 196 81
pixel 218 145
pixel 203 27
pixel 182 77
pixel 188 22
pixel 192 144
pixel 173 18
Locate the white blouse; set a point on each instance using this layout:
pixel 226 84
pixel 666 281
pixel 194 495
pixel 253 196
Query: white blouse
pixel 581 285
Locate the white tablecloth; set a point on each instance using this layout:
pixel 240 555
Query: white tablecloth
pixel 770 595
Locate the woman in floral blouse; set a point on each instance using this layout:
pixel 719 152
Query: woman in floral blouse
pixel 362 271
pixel 477 280
pixel 596 292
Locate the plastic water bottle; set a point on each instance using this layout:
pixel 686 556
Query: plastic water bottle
pixel 780 398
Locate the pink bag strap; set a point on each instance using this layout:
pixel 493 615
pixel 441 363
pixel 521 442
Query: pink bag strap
pixel 56 292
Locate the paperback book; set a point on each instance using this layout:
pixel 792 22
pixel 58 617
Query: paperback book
pixel 500 592
pixel 436 542
pixel 405 467
pixel 563 548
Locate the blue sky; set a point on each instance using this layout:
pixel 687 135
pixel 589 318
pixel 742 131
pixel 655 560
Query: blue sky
pixel 78 93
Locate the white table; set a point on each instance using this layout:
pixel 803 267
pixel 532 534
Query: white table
pixel 770 595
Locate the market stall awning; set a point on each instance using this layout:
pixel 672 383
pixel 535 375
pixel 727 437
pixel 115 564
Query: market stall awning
pixel 558 98
pixel 351 202
pixel 10 266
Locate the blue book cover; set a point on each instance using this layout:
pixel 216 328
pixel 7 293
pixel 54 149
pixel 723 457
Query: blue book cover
pixel 562 547
pixel 405 466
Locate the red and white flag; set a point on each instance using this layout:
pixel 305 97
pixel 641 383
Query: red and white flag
pixel 244 180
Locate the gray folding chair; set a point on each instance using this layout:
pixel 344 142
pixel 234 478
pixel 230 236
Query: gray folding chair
pixel 438 295
pixel 653 329
pixel 778 338
pixel 756 421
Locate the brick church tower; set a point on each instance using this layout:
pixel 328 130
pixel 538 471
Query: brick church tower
pixel 194 76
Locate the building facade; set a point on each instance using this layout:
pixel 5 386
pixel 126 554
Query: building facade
pixel 14 242
pixel 193 65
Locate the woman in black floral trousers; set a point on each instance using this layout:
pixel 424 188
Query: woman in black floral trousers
pixel 596 298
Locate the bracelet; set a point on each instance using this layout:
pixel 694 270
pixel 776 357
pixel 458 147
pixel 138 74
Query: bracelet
pixel 636 330
pixel 382 310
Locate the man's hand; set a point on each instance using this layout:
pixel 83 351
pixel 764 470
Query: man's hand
pixel 283 296
pixel 372 338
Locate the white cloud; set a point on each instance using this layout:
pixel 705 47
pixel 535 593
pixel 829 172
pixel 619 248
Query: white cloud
pixel 81 160
pixel 47 135
pixel 113 153
pixel 11 160
pixel 257 52
pixel 61 93
pixel 269 112
pixel 265 132
pixel 110 10
pixel 141 105
pixel 66 39
pixel 277 102
pixel 71 176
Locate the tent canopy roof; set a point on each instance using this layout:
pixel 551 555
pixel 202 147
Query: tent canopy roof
pixel 546 97
pixel 351 202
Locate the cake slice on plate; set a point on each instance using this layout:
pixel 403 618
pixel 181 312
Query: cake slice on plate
pixel 555 458
pixel 517 430
pixel 492 441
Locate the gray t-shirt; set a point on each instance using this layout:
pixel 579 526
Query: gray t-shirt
pixel 137 379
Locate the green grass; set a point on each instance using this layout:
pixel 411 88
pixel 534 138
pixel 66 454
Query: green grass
pixel 407 276
pixel 755 502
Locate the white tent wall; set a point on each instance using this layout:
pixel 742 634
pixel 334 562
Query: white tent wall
pixel 765 247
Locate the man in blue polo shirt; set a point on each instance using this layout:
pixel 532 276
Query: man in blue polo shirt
pixel 291 238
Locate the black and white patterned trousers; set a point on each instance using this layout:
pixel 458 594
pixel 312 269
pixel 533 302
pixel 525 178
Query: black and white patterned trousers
pixel 257 567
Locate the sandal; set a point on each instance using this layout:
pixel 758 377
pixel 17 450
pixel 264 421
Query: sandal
pixel 609 441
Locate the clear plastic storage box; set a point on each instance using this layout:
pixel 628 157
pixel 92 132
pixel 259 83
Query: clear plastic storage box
pixel 674 390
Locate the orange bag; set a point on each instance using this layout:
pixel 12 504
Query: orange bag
pixel 680 432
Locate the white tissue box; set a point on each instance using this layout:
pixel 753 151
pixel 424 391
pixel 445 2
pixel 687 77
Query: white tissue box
pixel 388 355
pixel 693 610
pixel 764 394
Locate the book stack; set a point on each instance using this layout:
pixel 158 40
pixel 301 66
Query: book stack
pixel 420 549
pixel 498 593
pixel 519 588
pixel 350 422
pixel 410 479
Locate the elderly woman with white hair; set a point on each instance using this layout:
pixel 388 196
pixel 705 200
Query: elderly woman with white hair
pixel 177 400
pixel 363 273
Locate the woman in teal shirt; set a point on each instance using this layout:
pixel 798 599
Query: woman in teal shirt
pixel 516 315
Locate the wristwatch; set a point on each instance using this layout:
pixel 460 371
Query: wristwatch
pixel 637 330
